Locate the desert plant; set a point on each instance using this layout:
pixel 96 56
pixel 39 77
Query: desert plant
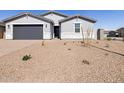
pixel 65 43
pixel 109 38
pixel 85 62
pixel 123 37
pixel 107 45
pixel 43 43
pixel 26 57
pixel 97 42
pixel 82 42
pixel 82 33
pixel 69 48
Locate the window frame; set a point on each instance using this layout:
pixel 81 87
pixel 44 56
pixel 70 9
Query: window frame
pixel 79 27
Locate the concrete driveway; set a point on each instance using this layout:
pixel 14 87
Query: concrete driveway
pixel 8 46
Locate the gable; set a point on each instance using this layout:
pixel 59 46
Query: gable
pixel 26 17
pixel 54 12
pixel 78 17
pixel 55 18
pixel 28 20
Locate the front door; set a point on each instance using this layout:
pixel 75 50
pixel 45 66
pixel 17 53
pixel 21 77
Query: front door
pixel 56 32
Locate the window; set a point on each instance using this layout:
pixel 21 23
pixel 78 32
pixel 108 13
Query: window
pixel 77 27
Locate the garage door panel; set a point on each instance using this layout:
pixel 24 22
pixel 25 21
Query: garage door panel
pixel 28 32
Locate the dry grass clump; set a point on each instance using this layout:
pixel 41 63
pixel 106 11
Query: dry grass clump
pixel 86 62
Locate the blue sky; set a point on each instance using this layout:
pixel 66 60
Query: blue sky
pixel 107 19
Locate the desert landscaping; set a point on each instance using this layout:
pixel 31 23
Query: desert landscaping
pixel 64 61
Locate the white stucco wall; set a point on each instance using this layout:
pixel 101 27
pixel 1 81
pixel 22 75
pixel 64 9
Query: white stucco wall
pixel 68 29
pixel 28 20
pixel 55 18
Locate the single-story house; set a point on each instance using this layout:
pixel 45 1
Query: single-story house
pixel 2 30
pixel 49 25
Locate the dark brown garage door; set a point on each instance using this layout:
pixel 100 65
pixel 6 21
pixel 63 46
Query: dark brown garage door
pixel 28 32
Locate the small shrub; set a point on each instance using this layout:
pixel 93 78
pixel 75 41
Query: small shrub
pixel 106 54
pixel 43 43
pixel 26 57
pixel 97 42
pixel 109 38
pixel 65 43
pixel 85 62
pixel 82 42
pixel 107 45
pixel 114 39
pixel 73 41
pixel 69 48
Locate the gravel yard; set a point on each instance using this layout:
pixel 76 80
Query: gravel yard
pixel 64 61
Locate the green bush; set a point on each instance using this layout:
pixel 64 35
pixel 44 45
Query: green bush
pixel 26 57
pixel 109 38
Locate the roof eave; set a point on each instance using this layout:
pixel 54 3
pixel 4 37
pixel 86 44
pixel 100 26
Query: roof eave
pixel 54 13
pixel 2 24
pixel 29 14
pixel 84 18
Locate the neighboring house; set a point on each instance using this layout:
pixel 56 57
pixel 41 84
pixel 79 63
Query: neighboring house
pixel 103 34
pixel 121 32
pixel 113 34
pixel 47 26
pixel 2 30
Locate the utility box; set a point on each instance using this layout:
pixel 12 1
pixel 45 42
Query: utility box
pixel 100 34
